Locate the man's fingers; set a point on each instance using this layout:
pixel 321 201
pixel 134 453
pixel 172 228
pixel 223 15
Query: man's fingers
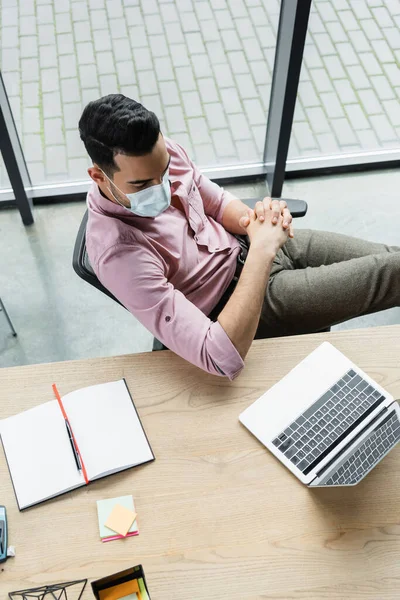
pixel 244 221
pixel 287 218
pixel 259 210
pixel 287 222
pixel 283 205
pixel 248 216
pixel 266 202
pixel 276 210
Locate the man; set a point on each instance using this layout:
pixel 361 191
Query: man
pixel 161 238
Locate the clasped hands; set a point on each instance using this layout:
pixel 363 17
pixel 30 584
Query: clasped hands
pixel 276 210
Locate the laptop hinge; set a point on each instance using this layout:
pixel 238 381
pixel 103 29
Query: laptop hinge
pixel 351 442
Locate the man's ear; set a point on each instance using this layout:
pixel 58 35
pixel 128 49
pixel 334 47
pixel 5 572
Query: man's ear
pixel 97 174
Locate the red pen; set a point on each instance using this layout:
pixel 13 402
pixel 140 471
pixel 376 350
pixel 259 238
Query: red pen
pixel 78 458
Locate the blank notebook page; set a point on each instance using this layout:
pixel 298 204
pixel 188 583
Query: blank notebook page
pixel 39 454
pixel 107 429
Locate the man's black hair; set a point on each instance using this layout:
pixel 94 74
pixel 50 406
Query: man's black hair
pixel 114 125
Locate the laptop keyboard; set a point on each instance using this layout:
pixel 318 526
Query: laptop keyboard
pixel 368 454
pixel 327 422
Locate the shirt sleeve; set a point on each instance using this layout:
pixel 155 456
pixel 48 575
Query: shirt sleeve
pixel 215 198
pixel 137 279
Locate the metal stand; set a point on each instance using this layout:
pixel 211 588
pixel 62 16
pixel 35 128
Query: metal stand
pixel 13 157
pixel 292 31
pixel 58 591
pixel 3 308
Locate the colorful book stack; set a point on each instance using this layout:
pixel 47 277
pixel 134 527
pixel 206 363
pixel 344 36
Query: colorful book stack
pixel 129 590
pixel 126 585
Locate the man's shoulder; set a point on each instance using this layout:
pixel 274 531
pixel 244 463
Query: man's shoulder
pixel 176 151
pixel 105 231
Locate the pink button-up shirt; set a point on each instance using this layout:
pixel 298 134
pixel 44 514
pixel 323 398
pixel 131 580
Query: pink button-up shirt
pixel 170 271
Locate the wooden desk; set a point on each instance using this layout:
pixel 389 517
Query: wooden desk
pixel 219 516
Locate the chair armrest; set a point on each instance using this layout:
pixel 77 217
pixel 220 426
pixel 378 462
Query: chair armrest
pixel 298 208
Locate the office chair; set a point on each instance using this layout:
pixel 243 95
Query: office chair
pixel 83 268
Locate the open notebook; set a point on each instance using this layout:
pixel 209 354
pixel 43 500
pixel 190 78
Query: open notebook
pixel 107 430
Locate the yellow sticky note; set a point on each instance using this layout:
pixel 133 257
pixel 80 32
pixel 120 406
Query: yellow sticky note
pixel 120 519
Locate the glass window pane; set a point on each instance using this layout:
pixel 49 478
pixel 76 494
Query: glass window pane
pixel 204 66
pixel 349 92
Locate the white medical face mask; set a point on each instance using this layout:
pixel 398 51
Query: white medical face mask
pixel 151 201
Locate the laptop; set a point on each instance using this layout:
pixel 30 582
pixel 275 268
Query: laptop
pixel 327 421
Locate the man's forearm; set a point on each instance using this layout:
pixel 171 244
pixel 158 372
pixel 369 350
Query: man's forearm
pixel 232 214
pixel 241 314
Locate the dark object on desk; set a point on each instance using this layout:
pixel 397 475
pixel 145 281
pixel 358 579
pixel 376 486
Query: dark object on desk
pixel 121 578
pixel 3 534
pixel 65 591
pixel 83 268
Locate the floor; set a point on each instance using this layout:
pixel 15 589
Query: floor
pixel 205 67
pixel 59 317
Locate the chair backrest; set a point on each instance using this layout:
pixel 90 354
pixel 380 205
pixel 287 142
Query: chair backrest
pixel 81 263
pixel 83 268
